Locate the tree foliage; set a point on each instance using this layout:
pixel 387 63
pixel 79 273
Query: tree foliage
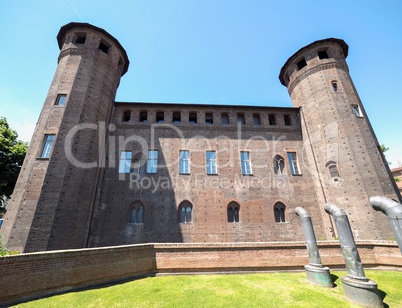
pixel 12 154
pixel 383 148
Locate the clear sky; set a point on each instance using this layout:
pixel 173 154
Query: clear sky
pixel 207 51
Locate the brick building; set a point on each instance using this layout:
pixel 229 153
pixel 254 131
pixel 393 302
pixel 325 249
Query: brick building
pixel 100 172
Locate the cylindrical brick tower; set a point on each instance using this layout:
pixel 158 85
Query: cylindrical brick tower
pixel 52 203
pixel 340 147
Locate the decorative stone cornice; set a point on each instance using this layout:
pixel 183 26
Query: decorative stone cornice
pixel 71 52
pixel 314 70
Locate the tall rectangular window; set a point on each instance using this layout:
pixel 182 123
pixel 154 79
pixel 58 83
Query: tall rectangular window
pixel 152 163
pixel 125 161
pixel 192 117
pixel 211 162
pixel 176 117
pixel 60 100
pixel 241 119
pixel 225 118
pixel 245 163
pixel 47 146
pixel 294 165
pixel 286 119
pixel 143 116
pixel 272 119
pixel 209 119
pixel 256 119
pixel 184 162
pixel 160 117
pixel 357 111
pixel 126 116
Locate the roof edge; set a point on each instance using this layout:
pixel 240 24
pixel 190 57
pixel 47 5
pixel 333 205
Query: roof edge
pixel 340 42
pixel 204 105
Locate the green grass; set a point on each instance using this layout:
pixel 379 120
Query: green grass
pixel 246 290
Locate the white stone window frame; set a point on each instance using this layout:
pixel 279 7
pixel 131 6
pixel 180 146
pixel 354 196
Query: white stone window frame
pixel 125 161
pixel 211 165
pixel 357 111
pixel 184 162
pixel 293 163
pixel 245 162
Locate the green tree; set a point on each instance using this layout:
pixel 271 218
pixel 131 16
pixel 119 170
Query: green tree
pixel 12 154
pixel 383 148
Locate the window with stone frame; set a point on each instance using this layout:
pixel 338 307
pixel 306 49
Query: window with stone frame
pixel 245 163
pixel 60 100
pixel 293 163
pixel 125 161
pixel 210 157
pixel 333 170
pixel 356 110
pixel 184 162
pixel 152 161
pixel 47 145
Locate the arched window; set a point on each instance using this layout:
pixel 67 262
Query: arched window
pixel 138 162
pixel 137 214
pixel 233 212
pixel 279 165
pixel 279 212
pixel 334 85
pixel 185 210
pixel 333 170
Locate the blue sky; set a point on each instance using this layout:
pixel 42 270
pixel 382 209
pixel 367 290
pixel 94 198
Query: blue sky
pixel 207 51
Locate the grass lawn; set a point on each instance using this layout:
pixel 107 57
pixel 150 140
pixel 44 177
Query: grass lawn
pixel 243 290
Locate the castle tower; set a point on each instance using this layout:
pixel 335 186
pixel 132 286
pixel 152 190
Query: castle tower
pixel 340 149
pixel 52 203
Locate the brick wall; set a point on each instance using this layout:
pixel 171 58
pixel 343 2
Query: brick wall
pixel 37 274
pixel 32 275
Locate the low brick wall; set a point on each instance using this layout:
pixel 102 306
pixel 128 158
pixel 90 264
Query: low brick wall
pixel 32 275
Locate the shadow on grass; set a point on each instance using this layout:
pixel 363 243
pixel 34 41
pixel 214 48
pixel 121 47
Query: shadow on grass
pixel 383 295
pixel 77 289
pixel 334 279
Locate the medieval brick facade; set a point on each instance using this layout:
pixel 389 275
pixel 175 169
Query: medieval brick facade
pixel 101 173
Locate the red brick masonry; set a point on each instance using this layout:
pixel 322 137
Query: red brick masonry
pixel 32 275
